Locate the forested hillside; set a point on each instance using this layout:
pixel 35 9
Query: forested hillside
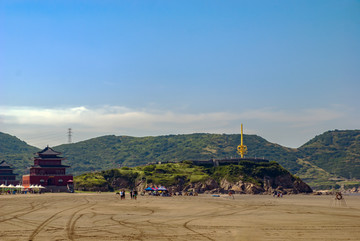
pixel 337 152
pixel 115 151
pixel 15 152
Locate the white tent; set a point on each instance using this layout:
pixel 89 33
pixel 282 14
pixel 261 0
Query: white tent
pixel 11 186
pixel 3 186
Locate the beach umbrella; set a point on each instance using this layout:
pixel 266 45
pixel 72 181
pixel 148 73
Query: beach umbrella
pixel 3 186
pixel 32 186
pixel 162 189
pixel 149 189
pixel 41 186
pixel 11 186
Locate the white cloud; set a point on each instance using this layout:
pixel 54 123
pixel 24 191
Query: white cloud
pixel 297 118
pixel 28 122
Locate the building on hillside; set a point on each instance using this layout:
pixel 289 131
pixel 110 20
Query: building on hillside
pixel 49 172
pixel 7 176
pixel 227 161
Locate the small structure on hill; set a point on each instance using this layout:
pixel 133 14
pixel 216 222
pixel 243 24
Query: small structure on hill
pixel 49 172
pixel 227 161
pixel 7 176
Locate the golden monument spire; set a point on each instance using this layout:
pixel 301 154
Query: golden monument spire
pixel 242 149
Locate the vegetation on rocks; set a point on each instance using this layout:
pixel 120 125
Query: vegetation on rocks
pixel 181 176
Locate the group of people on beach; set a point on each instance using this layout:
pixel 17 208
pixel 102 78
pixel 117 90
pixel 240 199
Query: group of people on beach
pixel 133 194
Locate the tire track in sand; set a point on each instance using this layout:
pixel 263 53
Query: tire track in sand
pixel 49 220
pixel 185 225
pixel 70 226
pixel 130 225
pixel 229 207
pixel 22 213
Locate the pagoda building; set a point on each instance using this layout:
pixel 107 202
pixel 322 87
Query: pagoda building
pixel 49 172
pixel 7 176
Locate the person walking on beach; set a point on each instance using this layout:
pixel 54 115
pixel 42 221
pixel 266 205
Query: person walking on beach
pixel 231 195
pixel 123 196
pixel 131 194
pixel 135 194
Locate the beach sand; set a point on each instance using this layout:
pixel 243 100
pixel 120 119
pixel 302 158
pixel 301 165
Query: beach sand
pixel 104 216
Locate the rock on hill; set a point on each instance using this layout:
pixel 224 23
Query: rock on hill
pixel 244 177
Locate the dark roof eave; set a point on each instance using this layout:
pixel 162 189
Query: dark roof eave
pixel 44 166
pixel 48 151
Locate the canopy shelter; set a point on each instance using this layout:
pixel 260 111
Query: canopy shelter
pixel 19 187
pixel 150 189
pixel 162 188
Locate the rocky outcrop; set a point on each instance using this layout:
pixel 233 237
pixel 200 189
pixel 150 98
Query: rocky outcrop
pixel 120 183
pixel 201 187
pixel 259 178
pixel 285 184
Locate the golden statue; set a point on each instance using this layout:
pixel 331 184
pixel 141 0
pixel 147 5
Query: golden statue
pixel 242 149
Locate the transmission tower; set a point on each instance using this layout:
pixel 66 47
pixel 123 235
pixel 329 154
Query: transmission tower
pixel 69 135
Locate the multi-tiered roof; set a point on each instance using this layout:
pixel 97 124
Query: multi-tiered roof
pixel 6 173
pixel 48 158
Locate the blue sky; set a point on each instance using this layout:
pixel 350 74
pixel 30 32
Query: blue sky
pixel 288 70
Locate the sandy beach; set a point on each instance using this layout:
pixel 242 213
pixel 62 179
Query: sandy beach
pixel 246 217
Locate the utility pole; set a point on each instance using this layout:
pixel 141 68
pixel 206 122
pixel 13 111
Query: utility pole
pixel 69 135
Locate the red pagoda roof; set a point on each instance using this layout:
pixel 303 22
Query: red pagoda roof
pixel 48 151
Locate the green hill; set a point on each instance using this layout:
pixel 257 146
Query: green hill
pixel 336 152
pixel 16 153
pixel 115 151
